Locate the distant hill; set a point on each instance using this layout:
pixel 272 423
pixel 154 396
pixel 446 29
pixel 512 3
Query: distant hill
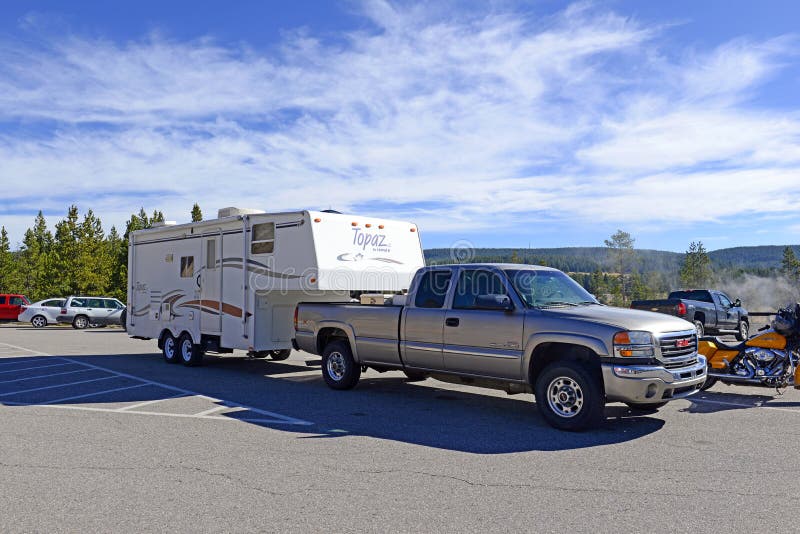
pixel 590 259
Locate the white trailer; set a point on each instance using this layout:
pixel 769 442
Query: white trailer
pixel 234 282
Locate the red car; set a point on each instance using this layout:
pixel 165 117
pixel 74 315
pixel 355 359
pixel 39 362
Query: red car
pixel 10 306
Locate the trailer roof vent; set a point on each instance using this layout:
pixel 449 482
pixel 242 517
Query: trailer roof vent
pixel 235 212
pixel 158 224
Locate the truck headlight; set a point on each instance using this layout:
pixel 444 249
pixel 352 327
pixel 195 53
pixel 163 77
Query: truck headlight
pixel 634 345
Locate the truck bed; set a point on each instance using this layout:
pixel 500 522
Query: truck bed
pixel 668 306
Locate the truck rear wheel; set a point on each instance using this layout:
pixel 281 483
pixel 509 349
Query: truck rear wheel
pixel 415 376
pixel 191 354
pixel 742 331
pixel 569 397
pixel 339 368
pixel 698 325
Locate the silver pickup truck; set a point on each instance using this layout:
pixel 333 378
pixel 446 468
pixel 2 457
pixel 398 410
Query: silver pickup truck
pixel 520 328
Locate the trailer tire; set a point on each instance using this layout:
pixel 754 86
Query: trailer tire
pixel 123 320
pixel 169 348
pixel 569 396
pixel 190 354
pixel 339 368
pixel 280 355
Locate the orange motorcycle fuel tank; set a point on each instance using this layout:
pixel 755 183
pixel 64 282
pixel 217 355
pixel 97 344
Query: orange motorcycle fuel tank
pixel 768 340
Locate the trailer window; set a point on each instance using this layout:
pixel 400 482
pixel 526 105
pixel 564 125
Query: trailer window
pixel 187 266
pixel 263 238
pixel 211 254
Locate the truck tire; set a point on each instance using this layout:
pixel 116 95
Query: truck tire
pixel 701 330
pixel 80 322
pixel 742 330
pixel 169 348
pixel 190 353
pixel 280 355
pixel 339 368
pixel 709 383
pixel 645 407
pixel 414 376
pixel 569 397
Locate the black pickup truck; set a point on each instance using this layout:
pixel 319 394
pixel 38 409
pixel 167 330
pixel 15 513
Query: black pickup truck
pixel 711 311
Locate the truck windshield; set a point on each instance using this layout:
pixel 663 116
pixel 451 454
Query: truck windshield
pixel 548 289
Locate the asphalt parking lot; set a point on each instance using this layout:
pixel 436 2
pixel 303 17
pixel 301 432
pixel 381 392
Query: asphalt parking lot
pixel 99 434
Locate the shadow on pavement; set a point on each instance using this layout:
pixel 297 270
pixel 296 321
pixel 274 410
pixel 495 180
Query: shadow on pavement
pixel 381 406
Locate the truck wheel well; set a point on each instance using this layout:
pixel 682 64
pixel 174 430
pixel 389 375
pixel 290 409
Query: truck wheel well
pixel 547 353
pixel 326 335
pixel 699 316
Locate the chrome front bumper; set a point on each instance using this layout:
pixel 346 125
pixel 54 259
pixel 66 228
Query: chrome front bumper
pixel 652 383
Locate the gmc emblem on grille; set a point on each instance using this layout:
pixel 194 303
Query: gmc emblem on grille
pixel 682 343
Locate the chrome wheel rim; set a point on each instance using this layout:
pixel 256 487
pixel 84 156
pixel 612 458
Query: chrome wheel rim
pixel 336 366
pixel 81 322
pixel 743 330
pixel 699 328
pixel 186 350
pixel 565 396
pixel 169 348
pixel 38 322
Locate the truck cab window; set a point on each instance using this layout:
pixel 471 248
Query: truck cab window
pixel 472 284
pixel 725 301
pixel 187 266
pixel 263 238
pixel 432 289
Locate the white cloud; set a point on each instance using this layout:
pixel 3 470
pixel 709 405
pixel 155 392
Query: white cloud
pixel 482 121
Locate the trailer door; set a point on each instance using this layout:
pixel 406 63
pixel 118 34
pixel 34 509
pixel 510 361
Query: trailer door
pixel 211 286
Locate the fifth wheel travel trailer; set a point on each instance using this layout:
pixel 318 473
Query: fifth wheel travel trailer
pixel 234 282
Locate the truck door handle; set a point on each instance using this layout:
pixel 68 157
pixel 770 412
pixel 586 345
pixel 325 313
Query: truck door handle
pixel 451 321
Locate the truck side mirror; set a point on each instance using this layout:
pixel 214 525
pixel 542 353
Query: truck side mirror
pixel 737 303
pixel 494 302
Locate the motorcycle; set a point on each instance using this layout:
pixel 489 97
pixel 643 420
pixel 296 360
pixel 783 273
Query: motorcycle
pixel 770 358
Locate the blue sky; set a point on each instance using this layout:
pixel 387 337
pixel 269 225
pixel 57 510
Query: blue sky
pixel 508 124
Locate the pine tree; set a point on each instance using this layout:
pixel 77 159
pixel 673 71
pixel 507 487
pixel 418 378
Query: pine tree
pixel 790 265
pixel 93 262
pixel 696 270
pixel 623 258
pixel 197 215
pixel 66 251
pixel 7 267
pixel 37 272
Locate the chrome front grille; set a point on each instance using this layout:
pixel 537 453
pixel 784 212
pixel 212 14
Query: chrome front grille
pixel 679 364
pixel 678 345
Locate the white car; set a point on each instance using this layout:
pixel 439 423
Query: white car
pixel 41 313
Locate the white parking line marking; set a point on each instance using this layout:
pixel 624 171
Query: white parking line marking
pixel 213 410
pixel 45 376
pixel 23 349
pixel 96 393
pixel 744 405
pixel 162 414
pixel 33 368
pixel 189 393
pixel 146 403
pixel 267 417
pixel 56 386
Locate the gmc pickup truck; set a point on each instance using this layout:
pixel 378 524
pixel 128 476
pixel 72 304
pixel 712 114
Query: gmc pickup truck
pixel 710 311
pixel 519 328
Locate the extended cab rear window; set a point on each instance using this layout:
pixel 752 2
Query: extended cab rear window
pixel 432 289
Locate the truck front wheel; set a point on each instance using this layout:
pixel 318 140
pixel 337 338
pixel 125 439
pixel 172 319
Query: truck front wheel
pixel 569 397
pixel 339 368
